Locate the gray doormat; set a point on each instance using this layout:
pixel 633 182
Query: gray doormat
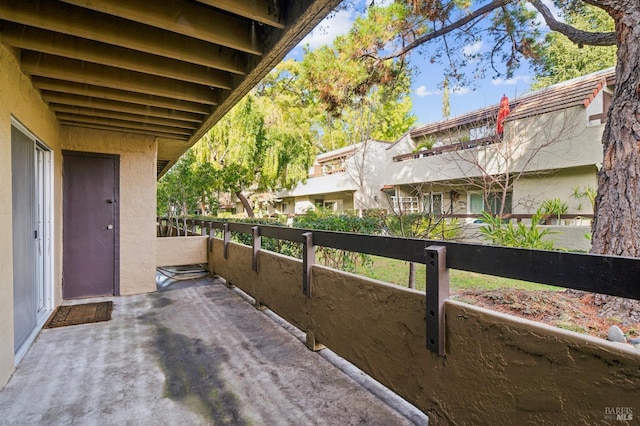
pixel 80 314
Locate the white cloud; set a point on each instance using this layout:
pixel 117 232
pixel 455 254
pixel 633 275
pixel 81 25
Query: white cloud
pixel 510 81
pixel 330 28
pixel 456 90
pixel 472 49
pixel 460 90
pixel 423 92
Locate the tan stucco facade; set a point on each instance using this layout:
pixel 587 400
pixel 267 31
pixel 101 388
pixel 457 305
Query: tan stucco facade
pixel 498 369
pixel 22 102
pixel 137 199
pixel 137 204
pixel 176 251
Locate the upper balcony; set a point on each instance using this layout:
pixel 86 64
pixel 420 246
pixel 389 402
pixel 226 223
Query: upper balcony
pixel 448 148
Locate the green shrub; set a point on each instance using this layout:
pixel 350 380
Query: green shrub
pixel 420 225
pixel 287 248
pixel 506 234
pixel 347 222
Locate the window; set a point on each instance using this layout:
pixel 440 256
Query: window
pixel 405 204
pixel 333 205
pixel 481 132
pixel 477 203
pixel 433 203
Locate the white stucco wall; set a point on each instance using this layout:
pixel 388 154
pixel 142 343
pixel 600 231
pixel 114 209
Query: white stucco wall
pixel 546 142
pixel 530 191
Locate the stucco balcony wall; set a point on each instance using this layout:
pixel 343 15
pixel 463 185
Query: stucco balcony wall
pixel 177 251
pixel 498 369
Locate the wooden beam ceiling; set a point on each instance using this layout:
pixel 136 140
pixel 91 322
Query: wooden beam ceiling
pixel 171 69
pixel 108 105
pixel 193 20
pixel 35 39
pixel 259 10
pixel 97 92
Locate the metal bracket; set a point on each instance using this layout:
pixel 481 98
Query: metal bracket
pixel 257 243
pixel 437 294
pixel 308 260
pixel 212 233
pixel 226 237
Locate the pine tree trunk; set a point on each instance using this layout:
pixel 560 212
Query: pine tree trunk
pixel 245 204
pixel 616 224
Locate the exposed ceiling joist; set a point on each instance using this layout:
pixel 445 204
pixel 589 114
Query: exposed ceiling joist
pixel 118 115
pixel 50 66
pixel 104 104
pixel 266 12
pixel 68 19
pixel 186 18
pixel 169 69
pixel 94 92
pixel 123 124
pixel 64 45
pixel 114 128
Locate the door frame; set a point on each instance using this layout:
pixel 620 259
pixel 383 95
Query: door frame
pixel 48 248
pixel 116 253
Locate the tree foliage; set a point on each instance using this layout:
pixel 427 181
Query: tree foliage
pixel 346 100
pixel 188 188
pixel 327 220
pixel 328 100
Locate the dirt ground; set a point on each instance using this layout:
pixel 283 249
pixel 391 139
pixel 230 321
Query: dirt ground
pixel 578 311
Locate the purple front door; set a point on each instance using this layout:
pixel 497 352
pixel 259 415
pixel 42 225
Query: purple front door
pixel 90 225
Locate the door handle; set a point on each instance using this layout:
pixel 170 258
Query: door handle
pixel 109 227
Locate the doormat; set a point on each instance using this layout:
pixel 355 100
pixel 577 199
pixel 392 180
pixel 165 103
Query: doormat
pixel 80 314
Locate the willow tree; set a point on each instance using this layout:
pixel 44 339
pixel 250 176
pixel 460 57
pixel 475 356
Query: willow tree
pixel 253 153
pixel 513 29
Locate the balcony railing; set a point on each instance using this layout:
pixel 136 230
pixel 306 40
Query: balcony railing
pixel 450 359
pixel 610 275
pixel 449 148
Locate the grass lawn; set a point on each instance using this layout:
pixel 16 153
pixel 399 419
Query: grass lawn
pixel 397 272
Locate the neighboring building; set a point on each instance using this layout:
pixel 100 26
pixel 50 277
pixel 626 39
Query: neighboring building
pixel 550 147
pixel 345 179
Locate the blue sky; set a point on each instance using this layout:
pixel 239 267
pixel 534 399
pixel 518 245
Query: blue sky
pixel 425 92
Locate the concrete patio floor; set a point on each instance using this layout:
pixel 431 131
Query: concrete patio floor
pixel 197 355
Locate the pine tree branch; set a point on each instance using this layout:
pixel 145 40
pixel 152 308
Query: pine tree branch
pixel 575 35
pixel 447 29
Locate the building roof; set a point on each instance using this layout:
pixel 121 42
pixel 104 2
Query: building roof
pixel 346 151
pixel 570 93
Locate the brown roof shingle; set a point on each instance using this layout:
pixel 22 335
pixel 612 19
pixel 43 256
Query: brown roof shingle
pixel 568 94
pixel 571 93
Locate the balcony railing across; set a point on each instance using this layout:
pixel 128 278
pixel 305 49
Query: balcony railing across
pixel 611 275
